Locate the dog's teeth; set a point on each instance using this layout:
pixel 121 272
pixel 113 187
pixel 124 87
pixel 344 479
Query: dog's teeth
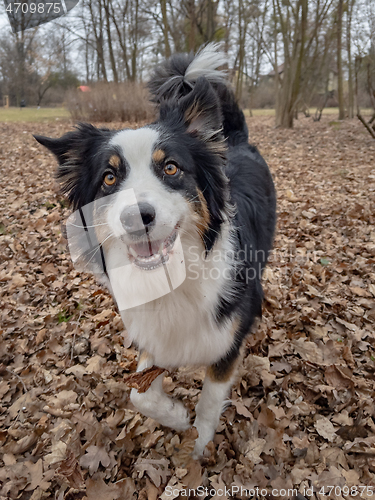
pixel 156 259
pixel 133 252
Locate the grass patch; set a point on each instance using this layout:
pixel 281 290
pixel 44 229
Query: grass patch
pixel 13 114
pixel 49 206
pixel 343 172
pixel 8 115
pixel 326 111
pixel 335 125
pixel 63 317
pixel 260 112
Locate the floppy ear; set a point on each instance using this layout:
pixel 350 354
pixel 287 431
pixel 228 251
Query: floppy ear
pixel 77 154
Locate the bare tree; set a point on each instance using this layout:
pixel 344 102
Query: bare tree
pixel 109 39
pixel 349 17
pixel 340 83
pixel 165 27
pixel 370 73
pixel 301 26
pixel 292 20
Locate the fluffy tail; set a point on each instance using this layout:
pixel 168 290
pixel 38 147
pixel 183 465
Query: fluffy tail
pixel 176 77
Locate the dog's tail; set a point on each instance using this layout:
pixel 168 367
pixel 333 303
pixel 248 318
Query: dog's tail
pixel 176 77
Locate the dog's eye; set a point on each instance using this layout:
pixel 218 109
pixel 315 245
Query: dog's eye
pixel 171 169
pixel 109 179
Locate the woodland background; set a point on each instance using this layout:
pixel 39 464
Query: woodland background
pixel 283 54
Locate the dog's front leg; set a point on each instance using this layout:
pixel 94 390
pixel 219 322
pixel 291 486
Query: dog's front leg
pixel 156 404
pixel 216 387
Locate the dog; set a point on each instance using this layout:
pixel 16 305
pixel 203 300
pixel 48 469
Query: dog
pixel 183 215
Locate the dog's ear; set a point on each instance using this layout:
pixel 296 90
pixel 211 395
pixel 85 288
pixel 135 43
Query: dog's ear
pixel 199 113
pixel 76 144
pixel 202 112
pixel 203 119
pixel 59 147
pixel 76 152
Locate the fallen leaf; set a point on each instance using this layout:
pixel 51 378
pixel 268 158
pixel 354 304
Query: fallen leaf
pixel 143 379
pixel 325 428
pixel 93 458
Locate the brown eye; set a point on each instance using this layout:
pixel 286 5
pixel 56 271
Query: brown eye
pixel 110 179
pixel 171 169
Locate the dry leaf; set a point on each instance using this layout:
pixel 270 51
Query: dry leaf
pixel 143 379
pixel 93 458
pixel 157 470
pixel 253 450
pixel 325 428
pixel 63 351
pixel 71 472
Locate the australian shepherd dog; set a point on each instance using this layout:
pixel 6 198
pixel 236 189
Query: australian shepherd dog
pixel 177 218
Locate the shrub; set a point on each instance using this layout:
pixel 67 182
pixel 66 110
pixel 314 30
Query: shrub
pixel 264 95
pixel 108 102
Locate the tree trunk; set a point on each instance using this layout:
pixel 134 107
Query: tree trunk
pixel 300 54
pixel 276 70
pixel 135 44
pixel 210 20
pixel 350 63
pixel 97 25
pixel 109 39
pixel 21 69
pixel 192 25
pixel 122 39
pixel 294 41
pixel 340 85
pixel 241 49
pixel 163 5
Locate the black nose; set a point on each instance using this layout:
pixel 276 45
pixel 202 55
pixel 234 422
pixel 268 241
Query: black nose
pixel 137 218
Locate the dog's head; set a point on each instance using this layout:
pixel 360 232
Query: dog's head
pixel 160 180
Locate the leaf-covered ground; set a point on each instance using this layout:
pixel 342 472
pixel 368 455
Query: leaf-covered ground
pixel 302 413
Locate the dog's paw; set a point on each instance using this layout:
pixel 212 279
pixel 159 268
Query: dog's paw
pixel 161 408
pixel 206 433
pixel 200 445
pixel 175 416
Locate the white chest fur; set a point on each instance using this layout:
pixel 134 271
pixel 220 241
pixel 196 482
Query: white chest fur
pixel 179 328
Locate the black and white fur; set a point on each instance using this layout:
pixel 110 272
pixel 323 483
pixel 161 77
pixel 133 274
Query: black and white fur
pixel 221 204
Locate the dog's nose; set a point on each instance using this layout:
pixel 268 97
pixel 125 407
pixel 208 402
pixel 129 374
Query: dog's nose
pixel 138 217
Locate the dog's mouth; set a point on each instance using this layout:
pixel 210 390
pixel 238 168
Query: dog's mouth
pixel 151 254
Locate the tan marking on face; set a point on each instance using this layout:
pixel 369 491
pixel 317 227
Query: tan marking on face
pixel 115 161
pixel 202 214
pixel 204 208
pixel 158 156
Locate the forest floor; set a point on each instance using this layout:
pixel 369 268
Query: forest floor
pixel 302 412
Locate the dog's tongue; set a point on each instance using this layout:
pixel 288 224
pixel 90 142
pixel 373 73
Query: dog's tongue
pixel 146 248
